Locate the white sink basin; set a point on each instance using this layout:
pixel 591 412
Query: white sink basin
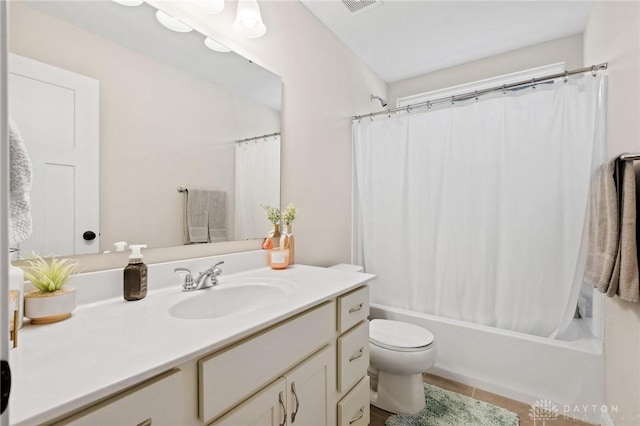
pixel 232 298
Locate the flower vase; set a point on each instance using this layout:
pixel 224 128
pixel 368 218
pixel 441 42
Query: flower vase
pixel 287 241
pixel 275 235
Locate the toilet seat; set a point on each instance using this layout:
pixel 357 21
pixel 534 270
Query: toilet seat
pixel 399 336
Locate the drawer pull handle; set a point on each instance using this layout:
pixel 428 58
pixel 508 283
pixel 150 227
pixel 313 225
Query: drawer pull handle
pixel 146 422
pixel 360 353
pixel 295 395
pixel 358 417
pixel 284 409
pixel 356 308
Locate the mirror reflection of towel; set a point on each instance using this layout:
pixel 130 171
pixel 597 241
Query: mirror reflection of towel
pixel 20 175
pixel 205 216
pixel 217 216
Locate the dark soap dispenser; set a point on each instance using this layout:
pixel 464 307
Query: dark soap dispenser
pixel 135 275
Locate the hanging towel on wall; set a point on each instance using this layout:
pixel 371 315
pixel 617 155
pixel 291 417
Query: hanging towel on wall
pixel 196 216
pixel 217 216
pixel 612 260
pixel 603 228
pixel 205 216
pixel 624 282
pixel 20 176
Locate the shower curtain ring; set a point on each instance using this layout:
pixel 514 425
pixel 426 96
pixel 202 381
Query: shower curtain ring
pixel 504 89
pixel 593 70
pixel 428 104
pixel 453 100
pixel 476 95
pixel 409 109
pixel 566 76
pixel 533 83
pixel 389 113
pixel 371 116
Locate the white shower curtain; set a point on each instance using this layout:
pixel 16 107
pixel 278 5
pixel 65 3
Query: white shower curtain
pixel 476 211
pixel 257 183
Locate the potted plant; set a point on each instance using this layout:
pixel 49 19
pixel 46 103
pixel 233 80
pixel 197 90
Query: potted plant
pixel 50 302
pixel 273 216
pixel 287 240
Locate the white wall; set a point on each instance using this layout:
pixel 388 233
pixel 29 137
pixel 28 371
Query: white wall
pixel 566 49
pixel 613 35
pixel 324 84
pixel 156 128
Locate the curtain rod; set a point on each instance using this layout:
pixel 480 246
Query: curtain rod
pixel 478 93
pixel 255 138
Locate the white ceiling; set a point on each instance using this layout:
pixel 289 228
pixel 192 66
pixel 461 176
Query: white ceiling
pixel 404 38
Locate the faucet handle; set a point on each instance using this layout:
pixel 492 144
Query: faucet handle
pixel 188 278
pixel 178 270
pixel 215 270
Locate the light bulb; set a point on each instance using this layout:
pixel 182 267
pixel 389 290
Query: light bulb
pixel 212 6
pixel 172 23
pixel 214 45
pixel 129 2
pixel 249 23
pixel 249 20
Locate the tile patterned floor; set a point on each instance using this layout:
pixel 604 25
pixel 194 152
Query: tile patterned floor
pixel 378 416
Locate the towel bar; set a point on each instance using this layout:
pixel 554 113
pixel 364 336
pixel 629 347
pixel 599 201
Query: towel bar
pixel 629 157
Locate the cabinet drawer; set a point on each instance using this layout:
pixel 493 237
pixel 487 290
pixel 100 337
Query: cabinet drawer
pixel 353 308
pixel 353 356
pixel 230 376
pixel 137 406
pixel 353 409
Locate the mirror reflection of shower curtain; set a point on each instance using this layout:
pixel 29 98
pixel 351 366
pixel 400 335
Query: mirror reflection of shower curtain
pixel 257 182
pixel 476 211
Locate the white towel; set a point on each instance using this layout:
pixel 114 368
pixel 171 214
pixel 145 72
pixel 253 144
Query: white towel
pixel 20 176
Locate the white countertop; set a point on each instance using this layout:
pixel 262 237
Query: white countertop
pixel 108 346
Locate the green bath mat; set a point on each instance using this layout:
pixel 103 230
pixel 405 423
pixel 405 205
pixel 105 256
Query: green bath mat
pixel 446 408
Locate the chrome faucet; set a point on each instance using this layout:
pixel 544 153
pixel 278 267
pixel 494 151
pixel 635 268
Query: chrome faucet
pixel 205 279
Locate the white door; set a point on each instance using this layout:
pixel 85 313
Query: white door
pixel 57 113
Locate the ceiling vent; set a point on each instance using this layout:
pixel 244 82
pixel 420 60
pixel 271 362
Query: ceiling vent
pixel 357 7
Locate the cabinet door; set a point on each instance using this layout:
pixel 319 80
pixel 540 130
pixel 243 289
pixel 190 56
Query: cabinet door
pixel 311 391
pixel 146 404
pixel 266 408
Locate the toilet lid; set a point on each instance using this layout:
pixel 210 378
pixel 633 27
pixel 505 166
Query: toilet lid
pixel 398 335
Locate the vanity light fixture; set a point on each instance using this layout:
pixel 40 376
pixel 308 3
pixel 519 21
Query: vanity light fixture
pixel 212 6
pixel 249 20
pixel 129 2
pixel 172 23
pixel 214 45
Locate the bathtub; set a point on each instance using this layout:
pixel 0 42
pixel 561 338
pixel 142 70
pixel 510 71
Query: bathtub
pixel 569 374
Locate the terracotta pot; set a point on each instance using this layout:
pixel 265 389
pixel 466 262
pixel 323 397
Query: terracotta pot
pixel 45 308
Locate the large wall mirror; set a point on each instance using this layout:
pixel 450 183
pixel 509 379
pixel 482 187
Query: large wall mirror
pixel 119 113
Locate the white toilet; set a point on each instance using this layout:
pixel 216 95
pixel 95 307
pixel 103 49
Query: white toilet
pixel 399 353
